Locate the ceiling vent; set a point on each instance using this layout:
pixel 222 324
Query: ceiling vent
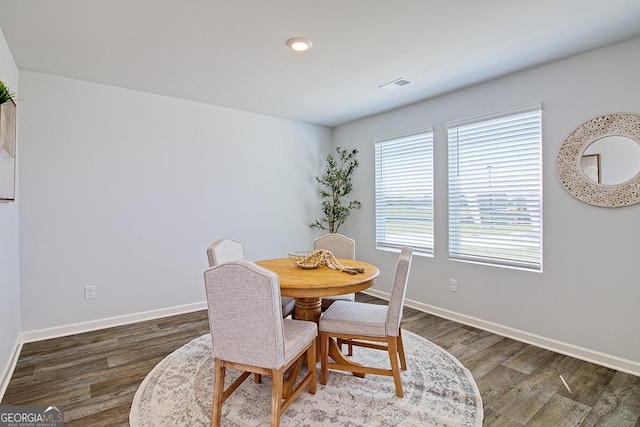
pixel 397 83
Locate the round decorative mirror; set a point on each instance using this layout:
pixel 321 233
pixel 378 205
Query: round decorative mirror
pixel 599 162
pixel 611 160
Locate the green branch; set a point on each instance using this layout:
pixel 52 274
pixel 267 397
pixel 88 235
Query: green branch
pixel 336 187
pixel 5 93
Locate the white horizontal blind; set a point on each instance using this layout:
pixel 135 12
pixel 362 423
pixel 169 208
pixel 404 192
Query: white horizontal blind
pixel 495 190
pixel 404 191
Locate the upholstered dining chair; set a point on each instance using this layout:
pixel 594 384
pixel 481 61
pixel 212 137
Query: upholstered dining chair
pixel 225 250
pixel 249 334
pixel 341 247
pixel 369 325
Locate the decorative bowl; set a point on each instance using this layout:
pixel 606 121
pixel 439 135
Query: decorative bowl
pixel 304 259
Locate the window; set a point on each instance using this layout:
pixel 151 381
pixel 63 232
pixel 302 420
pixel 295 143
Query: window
pixel 404 191
pixel 495 189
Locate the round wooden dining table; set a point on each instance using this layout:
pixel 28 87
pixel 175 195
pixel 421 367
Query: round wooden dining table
pixel 309 286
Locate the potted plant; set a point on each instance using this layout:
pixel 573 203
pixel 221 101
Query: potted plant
pixel 336 187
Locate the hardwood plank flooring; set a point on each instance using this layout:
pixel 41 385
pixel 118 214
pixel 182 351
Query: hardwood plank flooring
pixel 96 374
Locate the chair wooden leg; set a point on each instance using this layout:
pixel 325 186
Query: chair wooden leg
pixel 324 355
pixel 311 364
pixel 341 341
pixel 403 361
pixel 284 390
pixel 257 378
pixel 277 375
pixel 395 368
pixel 218 393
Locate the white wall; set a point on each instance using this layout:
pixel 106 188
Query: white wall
pixel 125 190
pixel 9 262
pixel 588 295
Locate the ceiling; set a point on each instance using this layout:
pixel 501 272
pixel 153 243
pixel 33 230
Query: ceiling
pixel 233 53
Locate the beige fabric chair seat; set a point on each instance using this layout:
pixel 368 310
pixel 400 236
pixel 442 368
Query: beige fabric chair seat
pixel 347 317
pixel 288 306
pixel 296 335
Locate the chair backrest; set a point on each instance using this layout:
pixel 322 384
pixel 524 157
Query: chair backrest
pixel 224 250
pixel 245 314
pixel 396 301
pixel 339 245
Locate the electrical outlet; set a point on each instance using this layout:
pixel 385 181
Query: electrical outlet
pixel 453 285
pixel 89 292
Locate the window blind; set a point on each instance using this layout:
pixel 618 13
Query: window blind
pixel 495 189
pixel 404 191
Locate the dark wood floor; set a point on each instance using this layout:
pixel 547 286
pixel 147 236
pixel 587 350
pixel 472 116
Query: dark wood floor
pixel 95 375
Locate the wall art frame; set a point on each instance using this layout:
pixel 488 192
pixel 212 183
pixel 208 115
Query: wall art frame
pixel 8 113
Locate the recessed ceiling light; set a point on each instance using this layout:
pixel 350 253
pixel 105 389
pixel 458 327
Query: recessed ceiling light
pixel 299 44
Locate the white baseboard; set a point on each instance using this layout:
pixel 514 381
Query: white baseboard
pixel 7 372
pixel 607 360
pixel 93 325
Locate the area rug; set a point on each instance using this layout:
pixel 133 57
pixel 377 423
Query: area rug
pixel 438 391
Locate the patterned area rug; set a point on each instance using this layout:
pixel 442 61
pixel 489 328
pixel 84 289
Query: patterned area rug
pixel 438 391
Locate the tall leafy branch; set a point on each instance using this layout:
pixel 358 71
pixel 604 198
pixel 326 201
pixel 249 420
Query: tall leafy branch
pixel 335 189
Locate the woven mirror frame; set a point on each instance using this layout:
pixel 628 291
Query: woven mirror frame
pixel 569 168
